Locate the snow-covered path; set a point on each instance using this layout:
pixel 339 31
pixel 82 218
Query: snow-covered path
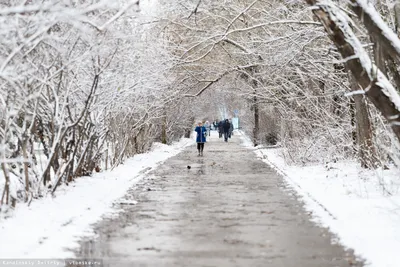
pixel 228 209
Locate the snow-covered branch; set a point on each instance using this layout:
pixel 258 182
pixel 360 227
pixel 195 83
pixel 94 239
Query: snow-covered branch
pixel 375 25
pixel 377 86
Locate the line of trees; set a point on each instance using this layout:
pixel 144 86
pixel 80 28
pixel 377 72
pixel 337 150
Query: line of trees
pixel 322 81
pixel 86 84
pixel 79 92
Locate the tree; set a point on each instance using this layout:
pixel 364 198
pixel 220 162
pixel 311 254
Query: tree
pixel 78 91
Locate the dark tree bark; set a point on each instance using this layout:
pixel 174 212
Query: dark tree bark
pixel 379 54
pixel 375 30
pixel 340 33
pixel 6 191
pixel 392 68
pixel 256 129
pixel 396 9
pixel 353 123
pixel 164 128
pixel 366 150
pixel 26 173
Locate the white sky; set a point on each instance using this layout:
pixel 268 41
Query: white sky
pixel 148 7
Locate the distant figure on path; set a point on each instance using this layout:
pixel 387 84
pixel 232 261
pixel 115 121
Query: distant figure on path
pixel 208 127
pixel 226 127
pixel 230 129
pixel 201 137
pixel 220 128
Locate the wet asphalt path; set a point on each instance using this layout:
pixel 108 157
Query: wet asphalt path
pixel 229 209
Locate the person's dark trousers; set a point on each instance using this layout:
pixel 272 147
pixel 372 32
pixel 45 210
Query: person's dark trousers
pixel 200 148
pixel 226 135
pixel 220 133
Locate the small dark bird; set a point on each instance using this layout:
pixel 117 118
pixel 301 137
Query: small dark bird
pixel 189 167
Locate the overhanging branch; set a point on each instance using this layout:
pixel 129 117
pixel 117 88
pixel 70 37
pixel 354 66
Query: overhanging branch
pixel 376 85
pixel 208 85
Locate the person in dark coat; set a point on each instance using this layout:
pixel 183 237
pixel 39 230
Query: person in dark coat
pixel 215 124
pixel 226 126
pixel 201 137
pixel 220 128
pixel 230 129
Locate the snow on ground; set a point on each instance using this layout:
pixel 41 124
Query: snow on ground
pixel 50 226
pixel 353 202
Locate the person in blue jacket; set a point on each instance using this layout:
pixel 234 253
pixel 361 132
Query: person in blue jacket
pixel 201 137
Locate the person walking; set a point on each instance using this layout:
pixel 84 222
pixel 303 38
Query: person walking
pixel 215 124
pixel 226 126
pixel 220 128
pixel 230 129
pixel 201 137
pixel 208 127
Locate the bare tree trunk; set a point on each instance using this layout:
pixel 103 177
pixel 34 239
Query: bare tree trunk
pixel 106 156
pixel 121 154
pixel 71 144
pixel 367 152
pixel 374 83
pixel 164 128
pixel 366 149
pixel 369 17
pixel 80 163
pixel 6 192
pixel 25 155
pixel 379 54
pixel 113 150
pixel 396 9
pixel 188 129
pixel 256 129
pixel 393 71
pixel 353 124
